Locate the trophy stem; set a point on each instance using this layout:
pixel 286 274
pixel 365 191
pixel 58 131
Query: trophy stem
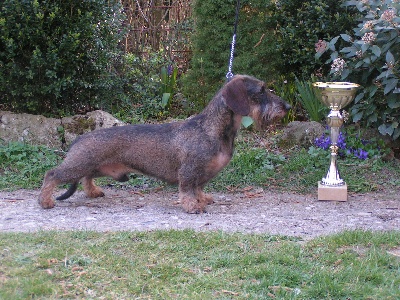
pixel 335 121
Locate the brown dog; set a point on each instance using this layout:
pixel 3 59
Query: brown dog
pixel 187 153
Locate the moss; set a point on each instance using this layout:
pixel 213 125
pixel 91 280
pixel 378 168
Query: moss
pixel 80 125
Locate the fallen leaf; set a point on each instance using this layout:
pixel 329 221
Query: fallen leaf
pixel 230 293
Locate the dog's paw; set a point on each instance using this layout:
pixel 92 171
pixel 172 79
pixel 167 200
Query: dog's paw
pixel 96 193
pixel 208 199
pixel 197 210
pixel 46 203
pixel 192 205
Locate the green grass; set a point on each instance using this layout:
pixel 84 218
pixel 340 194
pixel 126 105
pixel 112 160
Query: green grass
pixel 198 265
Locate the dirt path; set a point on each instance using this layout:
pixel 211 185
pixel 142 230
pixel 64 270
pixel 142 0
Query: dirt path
pixel 255 211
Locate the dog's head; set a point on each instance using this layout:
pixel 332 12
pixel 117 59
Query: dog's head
pixel 248 96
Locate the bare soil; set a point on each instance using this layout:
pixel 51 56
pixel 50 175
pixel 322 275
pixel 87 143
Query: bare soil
pixel 248 211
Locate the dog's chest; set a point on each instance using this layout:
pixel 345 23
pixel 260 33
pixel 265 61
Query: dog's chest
pixel 218 162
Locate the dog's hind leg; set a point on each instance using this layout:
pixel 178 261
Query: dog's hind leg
pixel 46 193
pixel 52 179
pixel 91 190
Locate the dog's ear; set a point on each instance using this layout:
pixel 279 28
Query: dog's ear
pixel 236 97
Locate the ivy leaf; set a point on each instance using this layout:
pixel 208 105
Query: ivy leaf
pixel 394 102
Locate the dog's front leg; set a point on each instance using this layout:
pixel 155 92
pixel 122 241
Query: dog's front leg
pixel 190 202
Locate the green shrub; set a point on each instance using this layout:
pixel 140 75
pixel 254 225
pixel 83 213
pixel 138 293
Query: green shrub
pixel 301 24
pixel 372 58
pixel 57 57
pixel 254 51
pixel 142 88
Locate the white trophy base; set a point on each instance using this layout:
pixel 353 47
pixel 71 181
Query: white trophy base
pixel 332 193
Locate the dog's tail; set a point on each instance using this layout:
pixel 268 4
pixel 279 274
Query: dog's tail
pixel 69 192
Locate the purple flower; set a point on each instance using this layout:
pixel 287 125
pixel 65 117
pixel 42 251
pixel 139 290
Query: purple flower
pixel 341 141
pixel 323 142
pixel 361 154
pixel 170 69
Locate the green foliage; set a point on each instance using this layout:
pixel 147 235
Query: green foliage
pixel 57 57
pixel 168 84
pixel 301 24
pixel 315 109
pixel 372 58
pixel 254 51
pixel 24 165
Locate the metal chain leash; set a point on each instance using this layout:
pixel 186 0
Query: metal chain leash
pixel 229 75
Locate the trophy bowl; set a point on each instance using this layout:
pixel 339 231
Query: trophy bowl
pixel 336 95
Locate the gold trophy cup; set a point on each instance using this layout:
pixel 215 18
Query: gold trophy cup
pixel 335 95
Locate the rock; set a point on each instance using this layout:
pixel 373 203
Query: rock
pixel 30 129
pixel 300 134
pixel 51 132
pixel 80 124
